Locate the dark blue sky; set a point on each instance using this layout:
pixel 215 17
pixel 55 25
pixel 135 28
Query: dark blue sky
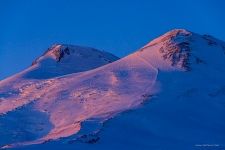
pixel 29 27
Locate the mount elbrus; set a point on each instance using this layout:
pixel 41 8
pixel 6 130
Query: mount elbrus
pixel 181 74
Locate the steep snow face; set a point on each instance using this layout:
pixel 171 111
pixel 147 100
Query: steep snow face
pixel 173 67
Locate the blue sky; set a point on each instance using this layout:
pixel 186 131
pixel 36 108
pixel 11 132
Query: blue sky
pixel 29 27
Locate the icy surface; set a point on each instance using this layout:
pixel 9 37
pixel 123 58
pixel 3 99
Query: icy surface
pixel 181 73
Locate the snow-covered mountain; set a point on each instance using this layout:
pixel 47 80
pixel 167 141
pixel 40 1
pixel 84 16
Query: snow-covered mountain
pixel 62 59
pixel 181 74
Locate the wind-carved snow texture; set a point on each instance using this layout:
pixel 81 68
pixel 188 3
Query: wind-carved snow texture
pixel 64 101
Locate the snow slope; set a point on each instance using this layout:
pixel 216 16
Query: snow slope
pixel 58 60
pixel 181 72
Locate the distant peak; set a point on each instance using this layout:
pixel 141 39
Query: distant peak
pixel 58 51
pixel 67 52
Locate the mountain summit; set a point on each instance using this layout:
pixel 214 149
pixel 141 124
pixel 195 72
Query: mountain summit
pixel 65 53
pixel 181 73
pixel 182 49
pixel 61 59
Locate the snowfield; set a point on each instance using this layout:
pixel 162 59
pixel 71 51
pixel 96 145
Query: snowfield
pixel 170 94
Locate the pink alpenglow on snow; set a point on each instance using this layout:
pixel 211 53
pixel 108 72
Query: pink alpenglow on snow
pixel 70 85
